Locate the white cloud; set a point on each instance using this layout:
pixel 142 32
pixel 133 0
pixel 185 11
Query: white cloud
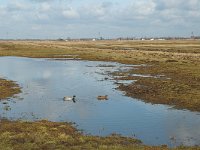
pixel 41 1
pixel 70 13
pixel 17 6
pixel 45 7
pixel 194 13
pixel 178 4
pixel 36 27
pixel 143 7
pixel 98 11
pixel 2 11
pixel 42 16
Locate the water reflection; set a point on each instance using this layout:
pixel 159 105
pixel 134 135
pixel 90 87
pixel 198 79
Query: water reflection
pixel 46 82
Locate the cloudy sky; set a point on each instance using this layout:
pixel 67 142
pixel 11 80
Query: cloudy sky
pixel 91 18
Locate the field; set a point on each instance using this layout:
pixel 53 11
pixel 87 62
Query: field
pixel 173 79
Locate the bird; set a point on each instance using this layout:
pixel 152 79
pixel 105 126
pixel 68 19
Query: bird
pixel 101 97
pixel 69 98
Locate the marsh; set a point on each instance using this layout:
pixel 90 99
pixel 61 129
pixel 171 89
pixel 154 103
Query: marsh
pixel 45 82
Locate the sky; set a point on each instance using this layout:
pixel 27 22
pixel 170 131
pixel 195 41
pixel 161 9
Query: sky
pixel 52 19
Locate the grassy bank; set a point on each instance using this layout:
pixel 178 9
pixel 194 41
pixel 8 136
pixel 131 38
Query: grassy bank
pixel 50 135
pixel 177 61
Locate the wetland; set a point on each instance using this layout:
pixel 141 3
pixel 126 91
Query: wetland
pixel 130 78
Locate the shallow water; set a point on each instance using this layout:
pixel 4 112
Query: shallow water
pixel 45 82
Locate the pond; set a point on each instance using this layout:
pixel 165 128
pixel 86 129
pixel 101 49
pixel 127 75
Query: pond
pixel 45 82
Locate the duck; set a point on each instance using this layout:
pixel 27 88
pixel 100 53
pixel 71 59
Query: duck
pixel 102 97
pixel 69 98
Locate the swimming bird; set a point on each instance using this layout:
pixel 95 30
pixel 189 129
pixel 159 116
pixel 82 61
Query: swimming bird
pixel 102 97
pixel 69 98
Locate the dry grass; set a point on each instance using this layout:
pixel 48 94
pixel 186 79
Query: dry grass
pixel 44 135
pixel 8 88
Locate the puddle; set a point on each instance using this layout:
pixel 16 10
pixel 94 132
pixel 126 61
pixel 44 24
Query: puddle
pixel 149 76
pixel 64 58
pixel 125 82
pixel 46 82
pixel 66 55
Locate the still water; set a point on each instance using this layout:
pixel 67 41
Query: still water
pixel 45 82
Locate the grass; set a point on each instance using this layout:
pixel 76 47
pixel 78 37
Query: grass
pixel 179 86
pixel 8 88
pixel 45 135
pixel 51 135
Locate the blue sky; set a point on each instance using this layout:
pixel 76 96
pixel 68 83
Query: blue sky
pixel 87 18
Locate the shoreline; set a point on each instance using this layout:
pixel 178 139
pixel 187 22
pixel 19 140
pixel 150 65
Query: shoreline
pixel 56 135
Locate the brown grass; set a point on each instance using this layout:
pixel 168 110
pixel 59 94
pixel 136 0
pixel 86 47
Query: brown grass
pixel 45 135
pixel 8 88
